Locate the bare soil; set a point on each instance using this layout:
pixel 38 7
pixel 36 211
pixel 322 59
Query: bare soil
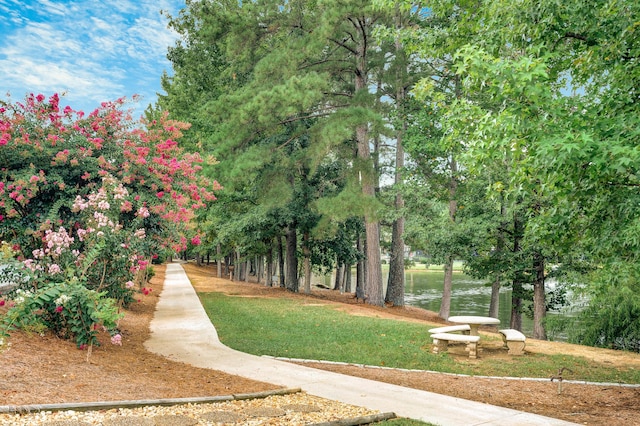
pixel 44 369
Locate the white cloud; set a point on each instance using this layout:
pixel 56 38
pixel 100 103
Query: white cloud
pixel 94 51
pixel 51 8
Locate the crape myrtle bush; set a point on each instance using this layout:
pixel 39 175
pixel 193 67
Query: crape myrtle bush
pixel 86 203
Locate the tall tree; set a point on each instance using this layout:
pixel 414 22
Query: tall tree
pixel 396 82
pixel 297 62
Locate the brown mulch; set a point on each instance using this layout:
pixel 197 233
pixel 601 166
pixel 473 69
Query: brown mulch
pixel 44 369
pixel 47 370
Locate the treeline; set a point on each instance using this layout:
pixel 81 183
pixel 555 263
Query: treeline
pixel 500 133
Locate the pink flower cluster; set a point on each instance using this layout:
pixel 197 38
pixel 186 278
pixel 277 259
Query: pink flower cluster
pixel 100 199
pixel 55 243
pixel 143 212
pixel 116 339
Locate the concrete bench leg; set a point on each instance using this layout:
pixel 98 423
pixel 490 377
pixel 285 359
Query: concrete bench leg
pixel 515 347
pixel 440 346
pixel 472 347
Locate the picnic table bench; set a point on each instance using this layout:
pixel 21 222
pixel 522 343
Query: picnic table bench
pixel 465 328
pixel 441 342
pixel 513 340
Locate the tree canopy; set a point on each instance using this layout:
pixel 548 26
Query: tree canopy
pixel 514 127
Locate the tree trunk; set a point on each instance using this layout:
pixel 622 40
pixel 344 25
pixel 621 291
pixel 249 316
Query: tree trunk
pixel 247 270
pixel 396 281
pixel 494 305
pixel 259 268
pixel 373 289
pixel 516 306
pixel 539 299
pixel 269 278
pixel 291 281
pixel 337 283
pixel 219 261
pixel 281 262
pixel 347 279
pixel 373 273
pixel 227 266
pixel 307 263
pixel 360 270
pixel 517 289
pixel 445 305
pixel 345 273
pixel 237 267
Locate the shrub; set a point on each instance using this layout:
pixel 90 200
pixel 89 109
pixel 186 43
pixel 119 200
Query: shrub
pixel 69 310
pixel 83 207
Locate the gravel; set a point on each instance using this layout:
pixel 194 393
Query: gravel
pixel 278 410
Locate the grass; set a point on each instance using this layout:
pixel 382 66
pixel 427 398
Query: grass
pixel 296 329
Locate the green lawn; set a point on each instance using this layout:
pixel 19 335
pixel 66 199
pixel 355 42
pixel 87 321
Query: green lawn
pixel 295 329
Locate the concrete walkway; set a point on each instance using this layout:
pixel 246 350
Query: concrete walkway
pixel 181 331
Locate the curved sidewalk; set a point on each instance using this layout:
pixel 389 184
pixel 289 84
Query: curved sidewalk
pixel 182 331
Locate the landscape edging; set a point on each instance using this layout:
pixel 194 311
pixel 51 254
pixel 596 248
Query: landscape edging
pixel 107 405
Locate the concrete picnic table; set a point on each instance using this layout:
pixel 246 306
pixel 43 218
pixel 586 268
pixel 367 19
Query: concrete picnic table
pixel 474 322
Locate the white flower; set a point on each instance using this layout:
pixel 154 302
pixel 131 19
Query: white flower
pixel 62 299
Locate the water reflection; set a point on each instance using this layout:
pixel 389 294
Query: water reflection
pixel 468 296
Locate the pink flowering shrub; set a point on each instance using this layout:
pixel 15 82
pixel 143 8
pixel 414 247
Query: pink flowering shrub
pixel 70 310
pixel 87 203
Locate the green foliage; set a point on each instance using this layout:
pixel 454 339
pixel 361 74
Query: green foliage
pixel 611 318
pixel 86 201
pixel 530 127
pixel 277 105
pixel 71 311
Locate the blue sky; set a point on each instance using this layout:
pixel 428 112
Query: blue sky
pixel 91 51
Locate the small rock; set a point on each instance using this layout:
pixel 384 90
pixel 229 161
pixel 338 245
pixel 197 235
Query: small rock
pixel 222 417
pixel 264 412
pixel 301 408
pixel 174 420
pixel 129 421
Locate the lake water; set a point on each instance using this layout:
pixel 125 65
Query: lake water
pixel 468 296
